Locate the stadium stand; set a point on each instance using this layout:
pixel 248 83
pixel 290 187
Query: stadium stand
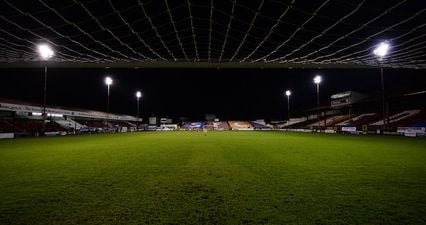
pixel 222 125
pixel 293 121
pixel 302 123
pixel 51 126
pixel 401 119
pixel 240 125
pixel 421 123
pixel 36 126
pixel 260 125
pixel 397 117
pixel 8 127
pixel 217 125
pixel 209 125
pixel 307 122
pixel 356 123
pixel 417 129
pixel 70 124
pixel 28 126
pixel 122 126
pixel 92 123
pixel 359 120
pixel 92 126
pixel 329 121
pixel 192 125
pixel 24 118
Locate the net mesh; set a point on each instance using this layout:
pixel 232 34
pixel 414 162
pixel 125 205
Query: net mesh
pixel 260 32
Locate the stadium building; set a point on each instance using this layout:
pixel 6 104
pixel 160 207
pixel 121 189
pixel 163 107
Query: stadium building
pixel 19 118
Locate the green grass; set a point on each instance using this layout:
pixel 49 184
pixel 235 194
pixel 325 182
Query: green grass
pixel 222 178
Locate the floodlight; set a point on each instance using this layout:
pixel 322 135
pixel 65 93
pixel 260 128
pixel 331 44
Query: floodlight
pixel 317 79
pixel 382 49
pixel 45 51
pixel 138 94
pixel 288 92
pixel 108 81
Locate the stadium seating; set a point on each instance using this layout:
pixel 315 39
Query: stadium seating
pixel 28 126
pixel 330 121
pixel 8 127
pixel 421 123
pixel 219 125
pixel 92 123
pixel 302 122
pixel 398 117
pixel 259 125
pixel 240 125
pixel 91 126
pixel 25 118
pixel 209 125
pixel 70 124
pixel 54 127
pixel 223 125
pixel 120 124
pixel 192 125
pixel 294 121
pixel 401 119
pixel 360 120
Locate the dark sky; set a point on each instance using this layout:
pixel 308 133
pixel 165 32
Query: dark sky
pixel 230 94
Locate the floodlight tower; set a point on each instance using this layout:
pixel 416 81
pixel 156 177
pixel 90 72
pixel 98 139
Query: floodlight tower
pixel 45 53
pixel 138 96
pixel 317 81
pixel 108 82
pixel 381 51
pixel 288 93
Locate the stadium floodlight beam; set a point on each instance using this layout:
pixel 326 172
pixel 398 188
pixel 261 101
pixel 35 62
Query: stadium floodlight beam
pixel 317 81
pixel 138 96
pixel 381 51
pixel 45 53
pixel 108 82
pixel 288 93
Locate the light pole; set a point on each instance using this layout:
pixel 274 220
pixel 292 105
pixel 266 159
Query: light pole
pixel 317 81
pixel 381 51
pixel 138 96
pixel 108 82
pixel 288 93
pixel 45 53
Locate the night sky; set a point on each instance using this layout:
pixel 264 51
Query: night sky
pixel 230 93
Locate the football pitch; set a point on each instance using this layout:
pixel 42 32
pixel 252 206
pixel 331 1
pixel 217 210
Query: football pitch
pixel 223 178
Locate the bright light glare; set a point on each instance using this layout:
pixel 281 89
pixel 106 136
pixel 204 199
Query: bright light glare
pixel 54 115
pixel 108 81
pixel 288 92
pixel 45 51
pixel 382 49
pixel 317 79
pixel 138 94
